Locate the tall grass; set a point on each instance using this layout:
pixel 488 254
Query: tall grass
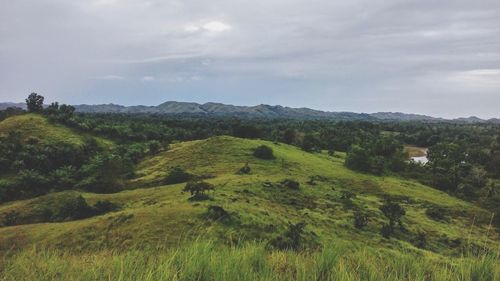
pixel 251 261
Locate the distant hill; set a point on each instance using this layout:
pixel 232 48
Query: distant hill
pixel 258 111
pixel 5 105
pixel 219 109
pixel 404 116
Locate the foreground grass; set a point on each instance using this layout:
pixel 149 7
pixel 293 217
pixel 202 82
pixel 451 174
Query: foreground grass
pixel 251 261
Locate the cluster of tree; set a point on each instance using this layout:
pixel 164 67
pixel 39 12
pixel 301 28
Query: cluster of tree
pixel 377 156
pixel 68 207
pixel 464 159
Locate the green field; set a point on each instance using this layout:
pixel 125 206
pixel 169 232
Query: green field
pixel 159 234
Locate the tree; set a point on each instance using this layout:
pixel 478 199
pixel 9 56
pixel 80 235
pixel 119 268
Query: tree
pixel 198 189
pixel 264 152
pixel 292 239
pixel 358 159
pixel 177 175
pixel 360 220
pixel 394 212
pixel 34 103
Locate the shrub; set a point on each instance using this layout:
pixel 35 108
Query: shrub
pixel 386 230
pixel 347 195
pixel 291 239
pixel 421 240
pixel 104 206
pixel 197 189
pixel 217 213
pixel 292 184
pixel 394 212
pixel 245 169
pixel 154 147
pixel 177 175
pixel 11 218
pixel 360 220
pixel 71 208
pixel 437 214
pixel 264 152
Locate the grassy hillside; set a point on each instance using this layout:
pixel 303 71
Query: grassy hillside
pixel 34 125
pixel 154 216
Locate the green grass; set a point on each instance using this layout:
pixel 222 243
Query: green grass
pixel 157 222
pixel 201 260
pixel 34 125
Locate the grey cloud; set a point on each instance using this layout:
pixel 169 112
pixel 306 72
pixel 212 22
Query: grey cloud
pixel 360 55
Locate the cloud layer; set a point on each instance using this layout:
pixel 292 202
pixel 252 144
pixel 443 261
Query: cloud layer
pixel 433 57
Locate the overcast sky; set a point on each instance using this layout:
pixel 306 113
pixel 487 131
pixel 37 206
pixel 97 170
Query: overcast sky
pixel 432 57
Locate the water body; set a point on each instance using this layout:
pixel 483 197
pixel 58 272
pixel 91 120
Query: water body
pixel 420 159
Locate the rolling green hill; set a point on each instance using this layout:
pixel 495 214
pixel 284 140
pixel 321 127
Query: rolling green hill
pixel 260 205
pixel 34 125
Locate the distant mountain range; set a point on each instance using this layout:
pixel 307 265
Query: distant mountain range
pixel 258 111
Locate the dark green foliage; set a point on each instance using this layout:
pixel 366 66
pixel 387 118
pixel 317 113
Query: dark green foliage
pixel 347 195
pixel 247 131
pixel 394 212
pixel 104 206
pixel 72 208
pixel 291 184
pixel 177 175
pixel 264 152
pixel 245 169
pixel 289 136
pixel 10 218
pixel 154 147
pixel 217 213
pixel 104 172
pixel 360 220
pixel 197 189
pixel 358 159
pixel 311 143
pixel 34 103
pixel 386 230
pixel 10 111
pixel 60 113
pixel 437 214
pixel 377 156
pixel 292 239
pixel 421 240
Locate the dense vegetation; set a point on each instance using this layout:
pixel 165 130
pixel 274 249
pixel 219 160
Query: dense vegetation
pixel 296 188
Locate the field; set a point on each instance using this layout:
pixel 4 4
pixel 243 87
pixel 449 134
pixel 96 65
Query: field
pixel 160 233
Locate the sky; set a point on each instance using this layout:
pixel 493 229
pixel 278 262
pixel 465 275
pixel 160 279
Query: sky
pixel 440 58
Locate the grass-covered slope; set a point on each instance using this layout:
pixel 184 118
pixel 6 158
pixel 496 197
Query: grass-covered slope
pixel 259 207
pixel 34 125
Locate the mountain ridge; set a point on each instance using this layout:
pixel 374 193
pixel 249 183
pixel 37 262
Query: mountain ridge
pixel 259 111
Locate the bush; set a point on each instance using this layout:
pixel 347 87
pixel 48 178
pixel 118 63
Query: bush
pixel 217 213
pixel 291 239
pixel 360 220
pixel 177 175
pixel 437 214
pixel 11 218
pixel 245 169
pixel 197 189
pixel 292 184
pixel 421 240
pixel 394 212
pixel 386 230
pixel 347 195
pixel 264 152
pixel 72 208
pixel 104 206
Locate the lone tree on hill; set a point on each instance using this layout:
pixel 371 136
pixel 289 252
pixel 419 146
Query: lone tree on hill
pixel 394 212
pixel 198 189
pixel 34 102
pixel 263 152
